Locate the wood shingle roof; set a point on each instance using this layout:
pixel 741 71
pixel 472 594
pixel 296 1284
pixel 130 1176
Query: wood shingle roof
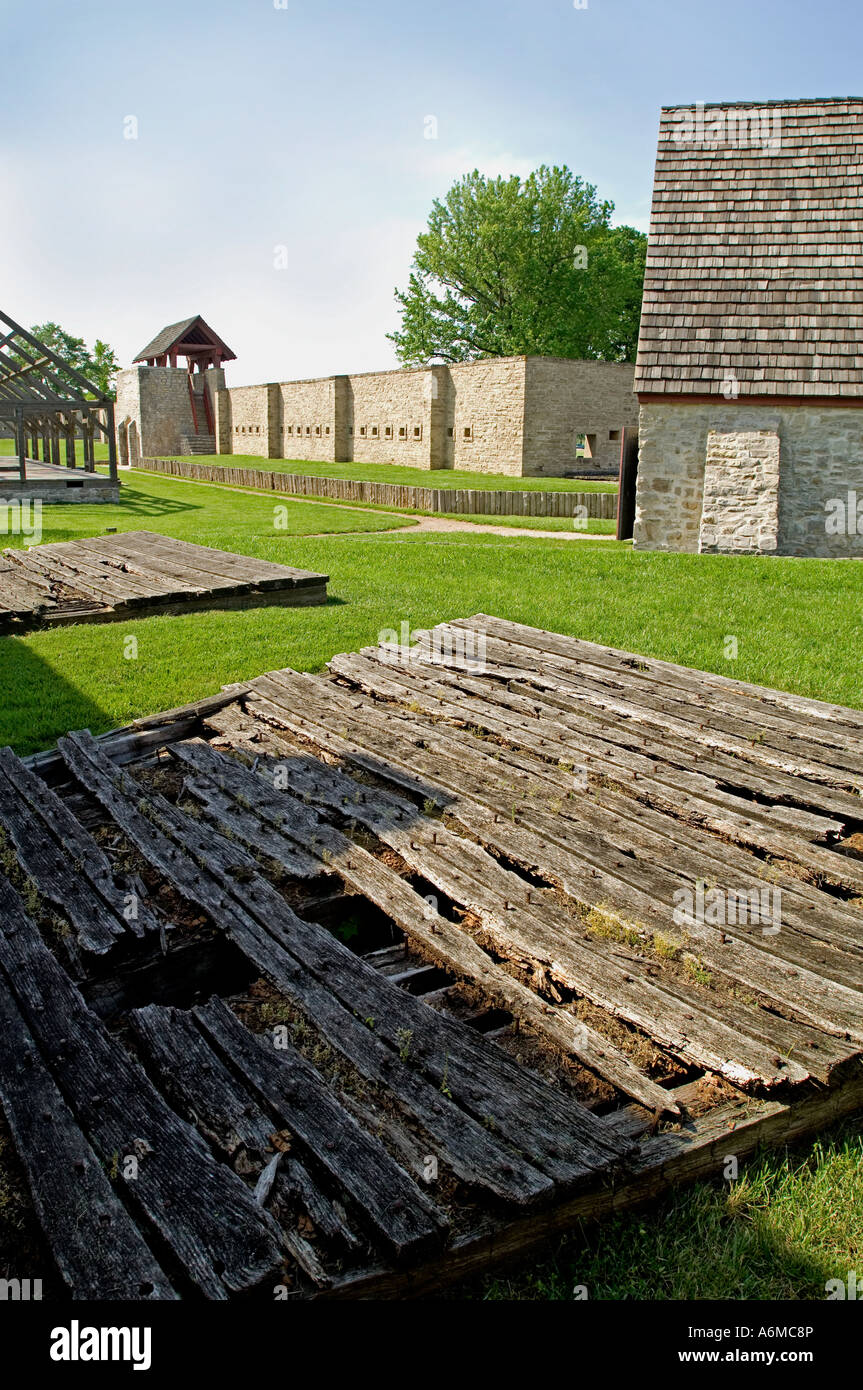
pixel 187 337
pixel 755 258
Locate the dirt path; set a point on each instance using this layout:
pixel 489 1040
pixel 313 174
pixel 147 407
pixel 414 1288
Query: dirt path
pixel 444 523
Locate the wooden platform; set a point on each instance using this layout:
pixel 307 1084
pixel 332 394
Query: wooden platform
pixel 374 981
pixel 138 574
pixel 51 483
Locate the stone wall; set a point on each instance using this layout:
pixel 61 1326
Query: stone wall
pixel 389 417
pixel 156 401
pixel 484 416
pixel 307 420
pixel 566 399
pixel 246 420
pixel 511 415
pixel 820 469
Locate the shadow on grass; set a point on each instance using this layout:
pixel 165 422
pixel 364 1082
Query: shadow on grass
pixel 36 699
pixel 142 503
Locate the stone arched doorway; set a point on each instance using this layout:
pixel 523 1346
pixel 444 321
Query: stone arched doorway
pixel 123 442
pixel 134 444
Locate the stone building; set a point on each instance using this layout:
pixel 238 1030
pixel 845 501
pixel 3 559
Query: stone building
pixel 163 408
pixel 750 371
pixel 523 416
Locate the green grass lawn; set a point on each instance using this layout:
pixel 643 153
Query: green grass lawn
pixel 798 623
pixel 791 1222
pixel 100 449
pixel 207 515
pixel 794 1219
pixel 397 473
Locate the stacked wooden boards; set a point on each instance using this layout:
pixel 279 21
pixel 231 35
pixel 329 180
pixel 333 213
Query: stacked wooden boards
pixel 403 978
pixel 138 574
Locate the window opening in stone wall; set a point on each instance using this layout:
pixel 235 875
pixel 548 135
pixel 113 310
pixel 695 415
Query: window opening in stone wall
pixel 614 434
pixel 374 431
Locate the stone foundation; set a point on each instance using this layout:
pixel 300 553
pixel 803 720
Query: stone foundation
pixel 734 478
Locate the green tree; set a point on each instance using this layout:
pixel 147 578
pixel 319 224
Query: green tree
pixel 100 365
pixel 103 367
pixel 510 266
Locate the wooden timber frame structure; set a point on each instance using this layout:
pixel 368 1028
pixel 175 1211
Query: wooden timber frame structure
pixel 45 400
pixel 404 994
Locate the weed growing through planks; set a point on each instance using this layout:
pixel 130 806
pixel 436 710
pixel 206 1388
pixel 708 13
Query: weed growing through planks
pixel 599 924
pixel 444 1085
pixel 667 946
pixel 347 930
pixel 697 970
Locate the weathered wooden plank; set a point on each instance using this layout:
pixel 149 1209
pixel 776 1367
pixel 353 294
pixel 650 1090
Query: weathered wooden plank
pixel 264 574
pixel 502 662
pixel 400 1214
pixel 651 757
pixel 200 1209
pixel 160 573
pixel 539 640
pixel 109 591
pixel 225 1110
pixel 649 833
pixel 451 946
pixel 727 712
pixel 525 1106
pixel 327 1214
pixel 99 576
pixel 545 734
pixel 20 596
pixel 144 572
pixel 585 875
pixel 738 1040
pixel 220 808
pixel 99 1250
pixel 653 838
pixel 198 1083
pixel 309 965
pixel 65 863
pixel 695 1151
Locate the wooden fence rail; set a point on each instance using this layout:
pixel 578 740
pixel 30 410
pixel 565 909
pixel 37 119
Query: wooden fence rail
pixel 460 501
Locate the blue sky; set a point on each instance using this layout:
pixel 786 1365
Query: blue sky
pixel 261 127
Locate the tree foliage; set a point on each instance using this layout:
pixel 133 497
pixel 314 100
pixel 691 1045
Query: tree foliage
pixel 99 364
pixel 510 266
